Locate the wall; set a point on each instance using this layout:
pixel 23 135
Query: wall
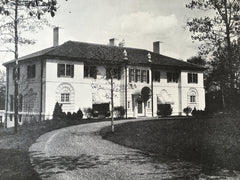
pixel 30 89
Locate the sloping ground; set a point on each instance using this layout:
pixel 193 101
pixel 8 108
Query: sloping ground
pixel 79 152
pixel 212 142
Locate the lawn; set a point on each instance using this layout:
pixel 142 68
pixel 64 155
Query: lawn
pixel 14 158
pixel 214 142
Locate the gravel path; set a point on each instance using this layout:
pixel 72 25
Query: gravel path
pixel 79 152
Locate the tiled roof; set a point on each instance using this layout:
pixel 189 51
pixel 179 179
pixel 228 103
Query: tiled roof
pixel 104 53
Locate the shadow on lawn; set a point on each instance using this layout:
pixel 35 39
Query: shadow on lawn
pixel 15 164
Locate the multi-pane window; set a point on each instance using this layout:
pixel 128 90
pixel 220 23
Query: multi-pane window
pixel 192 99
pixel 31 71
pixel 144 76
pixel 138 75
pixel 14 74
pixel 90 71
pixel 131 75
pixel 192 78
pixel 172 77
pixel 66 70
pixel 156 76
pixel 65 97
pixel 116 73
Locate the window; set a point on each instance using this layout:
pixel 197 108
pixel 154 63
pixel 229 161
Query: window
pixel 137 75
pixel 156 76
pixel 13 75
pixel 20 118
pixel 192 99
pixel 192 78
pixel 11 102
pixel 148 104
pixel 65 97
pixel 172 77
pixel 31 71
pixel 144 76
pixel 66 70
pixel 90 71
pixel 128 104
pixel 131 75
pixel 11 117
pixel 116 73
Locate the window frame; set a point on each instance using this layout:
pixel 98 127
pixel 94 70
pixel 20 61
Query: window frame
pixel 192 78
pixel 65 98
pixel 65 70
pixel 90 71
pixel 31 71
pixel 156 76
pixel 172 77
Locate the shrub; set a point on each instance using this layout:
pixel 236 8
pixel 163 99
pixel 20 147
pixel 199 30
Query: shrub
pixel 187 110
pixel 199 113
pixel 79 114
pixel 164 110
pixel 119 111
pixel 57 112
pixel 75 116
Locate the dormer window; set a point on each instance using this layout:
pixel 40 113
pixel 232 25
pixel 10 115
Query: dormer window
pixel 65 70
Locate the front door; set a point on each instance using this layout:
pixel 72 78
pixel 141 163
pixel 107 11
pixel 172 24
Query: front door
pixel 140 108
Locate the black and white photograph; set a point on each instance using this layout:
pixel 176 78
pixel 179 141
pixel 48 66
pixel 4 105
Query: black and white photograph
pixel 119 89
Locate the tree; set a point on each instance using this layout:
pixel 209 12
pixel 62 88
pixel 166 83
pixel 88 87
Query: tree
pixel 2 89
pixel 18 12
pixel 216 31
pixel 114 58
pixel 197 60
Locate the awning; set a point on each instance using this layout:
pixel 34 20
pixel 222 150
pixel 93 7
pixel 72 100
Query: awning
pixel 164 98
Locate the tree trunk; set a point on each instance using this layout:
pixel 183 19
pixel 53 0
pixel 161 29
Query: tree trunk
pixel 112 106
pixel 16 68
pixel 229 56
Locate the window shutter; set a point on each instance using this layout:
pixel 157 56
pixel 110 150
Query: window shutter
pixel 189 77
pixel 34 71
pixel 72 70
pixel 130 75
pixel 58 70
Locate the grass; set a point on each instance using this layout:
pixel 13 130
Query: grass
pixel 14 159
pixel 214 142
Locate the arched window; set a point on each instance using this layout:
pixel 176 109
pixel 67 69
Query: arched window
pixel 193 98
pixel 65 96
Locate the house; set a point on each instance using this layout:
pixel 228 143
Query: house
pixel 78 75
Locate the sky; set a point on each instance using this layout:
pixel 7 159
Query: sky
pixel 138 22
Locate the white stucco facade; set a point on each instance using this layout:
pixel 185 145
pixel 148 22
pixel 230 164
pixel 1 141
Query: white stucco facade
pixel 41 92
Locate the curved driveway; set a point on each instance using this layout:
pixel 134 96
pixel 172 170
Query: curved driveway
pixel 79 152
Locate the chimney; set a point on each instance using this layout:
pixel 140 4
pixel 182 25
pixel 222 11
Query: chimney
pixel 112 42
pixel 156 47
pixel 55 36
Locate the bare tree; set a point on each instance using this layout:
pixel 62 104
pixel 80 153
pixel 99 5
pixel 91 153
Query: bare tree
pixel 113 58
pixel 16 14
